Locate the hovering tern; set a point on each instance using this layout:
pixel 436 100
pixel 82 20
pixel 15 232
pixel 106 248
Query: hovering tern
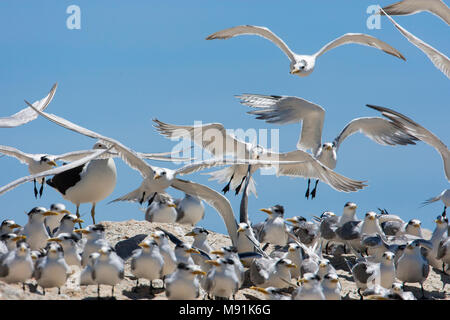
pixel 408 7
pixel 444 197
pixel 419 132
pixel 289 109
pixel 440 60
pixel 158 179
pixel 214 138
pixel 26 115
pixel 38 163
pixel 303 65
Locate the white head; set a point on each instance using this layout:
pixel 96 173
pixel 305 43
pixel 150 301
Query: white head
pixel 302 66
pixel 350 209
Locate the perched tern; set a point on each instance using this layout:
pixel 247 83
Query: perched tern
pixel 190 210
pixel 17 265
pixel 161 209
pixel 311 288
pixel 108 269
pixel 183 284
pixel 52 270
pixel 147 262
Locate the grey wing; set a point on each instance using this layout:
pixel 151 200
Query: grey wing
pixel 258 272
pixel 121 274
pixel 129 156
pixel 380 130
pixel 4 270
pixel 286 110
pixel 23 157
pixel 420 132
pixel 312 168
pixel 361 272
pixel 363 39
pixel 253 30
pixel 407 7
pixel 440 60
pixel 28 114
pixel 349 231
pixel 442 248
pixel 211 136
pixel 425 270
pixel 214 199
pixel 133 263
pixel 53 171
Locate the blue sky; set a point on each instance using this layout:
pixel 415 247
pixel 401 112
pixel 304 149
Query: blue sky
pixel 132 61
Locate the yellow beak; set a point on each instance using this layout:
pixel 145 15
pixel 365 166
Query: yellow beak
pixel 240 229
pixel 262 290
pixel 268 211
pixel 190 234
pixel 143 245
pixel 14 226
pixel 295 71
pixel 50 213
pixel 52 163
pixel 291 265
pixel 213 262
pixel 66 211
pixel 83 231
pixel 19 238
pixel 291 220
pixel 78 220
pixel 218 252
pixel 192 250
pixel 172 205
pixel 156 177
pixel 199 272
pixel 54 239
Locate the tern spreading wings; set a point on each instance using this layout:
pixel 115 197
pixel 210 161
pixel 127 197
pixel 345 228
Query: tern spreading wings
pixel 440 60
pixel 303 65
pixel 156 179
pixel 27 114
pixel 420 132
pixel 214 138
pixel 41 162
pixel 288 109
pixel 407 7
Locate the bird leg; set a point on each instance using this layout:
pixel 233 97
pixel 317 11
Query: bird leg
pixel 78 215
pixel 151 287
pixel 23 286
pixel 59 290
pixel 359 292
pixel 112 292
pixel 313 193
pixel 42 187
pixel 307 190
pixel 43 290
pixel 136 287
pixel 240 185
pixel 423 291
pixel 93 213
pixel 227 187
pixel 98 291
pixel 151 199
pixel 326 247
pixel 35 189
pixel 444 214
pixel 143 197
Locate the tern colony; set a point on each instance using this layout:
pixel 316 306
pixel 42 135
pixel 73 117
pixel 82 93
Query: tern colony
pixel 286 258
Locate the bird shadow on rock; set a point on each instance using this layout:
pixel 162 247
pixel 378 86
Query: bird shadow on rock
pixel 95 298
pixel 125 248
pixel 427 295
pixel 445 278
pixel 142 292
